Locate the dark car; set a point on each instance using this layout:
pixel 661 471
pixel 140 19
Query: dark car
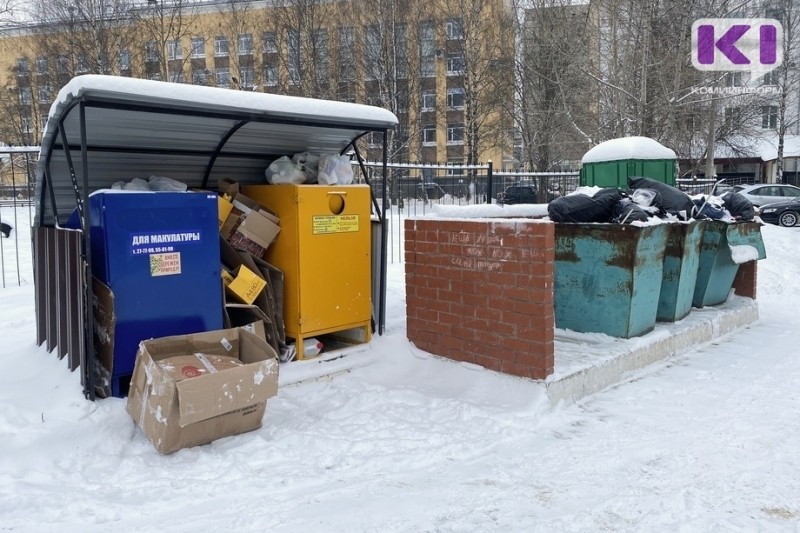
pixel 784 213
pixel 518 194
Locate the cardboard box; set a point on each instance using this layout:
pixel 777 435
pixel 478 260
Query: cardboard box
pixel 180 414
pixel 224 207
pixel 244 284
pixel 249 226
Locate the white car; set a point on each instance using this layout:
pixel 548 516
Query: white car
pixel 766 193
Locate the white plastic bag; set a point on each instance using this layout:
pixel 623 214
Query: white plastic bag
pixel 335 169
pixel 283 170
pixel 161 183
pixel 308 163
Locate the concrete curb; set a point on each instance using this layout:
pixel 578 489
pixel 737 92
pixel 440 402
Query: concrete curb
pixel 567 386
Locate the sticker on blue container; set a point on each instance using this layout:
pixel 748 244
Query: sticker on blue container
pixel 165 264
pixel 162 242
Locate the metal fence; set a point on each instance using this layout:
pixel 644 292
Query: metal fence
pixel 17 183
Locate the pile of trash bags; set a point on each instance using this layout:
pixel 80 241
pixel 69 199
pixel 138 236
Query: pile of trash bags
pixel 644 199
pixel 153 183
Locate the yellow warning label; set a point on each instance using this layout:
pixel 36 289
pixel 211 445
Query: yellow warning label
pixel 335 224
pixel 165 264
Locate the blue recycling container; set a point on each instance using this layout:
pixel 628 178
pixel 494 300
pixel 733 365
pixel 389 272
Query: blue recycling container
pixel 608 277
pixel 681 260
pixel 158 253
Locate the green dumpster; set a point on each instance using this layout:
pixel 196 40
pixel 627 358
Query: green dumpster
pixel 725 246
pixel 681 259
pixel 608 277
pixel 611 163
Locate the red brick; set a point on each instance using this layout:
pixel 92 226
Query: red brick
pixel 490 363
pixel 448 319
pixel 516 369
pixel 516 345
pixel 492 314
pixel 465 334
pixel 488 338
pixel 475 300
pixel 444 226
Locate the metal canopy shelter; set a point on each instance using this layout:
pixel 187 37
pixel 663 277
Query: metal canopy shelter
pixel 103 129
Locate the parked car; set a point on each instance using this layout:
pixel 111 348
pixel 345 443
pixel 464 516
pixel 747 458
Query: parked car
pixel 518 194
pixel 784 213
pixel 767 193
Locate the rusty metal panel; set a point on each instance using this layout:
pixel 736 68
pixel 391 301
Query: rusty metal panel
pixel 681 260
pixel 61 292
pixel 74 298
pixel 40 286
pixel 52 295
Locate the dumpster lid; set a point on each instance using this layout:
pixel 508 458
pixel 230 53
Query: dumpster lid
pixel 195 134
pixel 628 148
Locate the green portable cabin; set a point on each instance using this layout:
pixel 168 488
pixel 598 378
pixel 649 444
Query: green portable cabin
pixel 611 163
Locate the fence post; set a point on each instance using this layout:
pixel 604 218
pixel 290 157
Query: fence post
pixel 489 182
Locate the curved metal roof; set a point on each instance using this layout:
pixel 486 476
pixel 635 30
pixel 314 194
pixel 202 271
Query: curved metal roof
pixel 138 128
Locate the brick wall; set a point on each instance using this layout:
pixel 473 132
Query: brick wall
pixel 482 292
pixel 745 282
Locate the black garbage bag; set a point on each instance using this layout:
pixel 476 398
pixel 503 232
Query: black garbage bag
pixel 627 211
pixel 673 201
pixel 582 208
pixel 738 206
pixel 705 210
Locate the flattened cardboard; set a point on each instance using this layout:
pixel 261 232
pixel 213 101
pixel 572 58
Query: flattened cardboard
pixel 202 409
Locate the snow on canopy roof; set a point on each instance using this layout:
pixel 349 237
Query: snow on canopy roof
pixel 628 148
pixel 137 128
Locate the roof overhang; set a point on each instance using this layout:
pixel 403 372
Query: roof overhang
pixel 124 128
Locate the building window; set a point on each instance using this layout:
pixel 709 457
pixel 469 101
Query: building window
pixel 176 75
pixel 455 28
pixel 43 121
pixel 455 64
pixel 270 75
pixel 455 134
pixel 427 49
pixel 42 66
pixel 45 93
pixel 220 46
pixel 428 101
pixel 270 42
pixel 319 41
pixel 124 59
pixel 772 77
pixel 174 49
pixel 83 63
pixel 62 65
pixel 199 76
pixel 401 50
pixel 373 52
pixel 769 117
pixel 223 77
pixel 25 96
pixel 455 98
pixel 347 62
pixel 198 47
pixel 294 56
pixel 429 135
pixel 732 115
pixel 26 124
pixel 150 52
pixel 246 44
pixel 733 79
pixel 246 77
pixel 22 66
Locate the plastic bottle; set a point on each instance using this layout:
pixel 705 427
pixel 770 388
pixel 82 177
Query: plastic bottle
pixel 311 347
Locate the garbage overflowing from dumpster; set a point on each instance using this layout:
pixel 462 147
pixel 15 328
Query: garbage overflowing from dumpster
pixel 626 259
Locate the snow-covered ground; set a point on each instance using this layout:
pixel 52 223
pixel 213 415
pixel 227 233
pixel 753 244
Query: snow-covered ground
pixel 708 441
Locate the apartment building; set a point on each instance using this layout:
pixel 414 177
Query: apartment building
pixel 434 64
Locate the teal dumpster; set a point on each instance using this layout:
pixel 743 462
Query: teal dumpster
pixel 681 259
pixel 608 277
pixel 725 246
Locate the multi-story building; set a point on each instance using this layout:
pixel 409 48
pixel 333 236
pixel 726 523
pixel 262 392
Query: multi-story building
pixel 434 64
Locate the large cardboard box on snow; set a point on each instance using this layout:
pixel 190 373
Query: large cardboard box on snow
pixel 188 412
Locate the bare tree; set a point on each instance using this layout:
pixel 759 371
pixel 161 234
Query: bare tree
pixel 787 77
pixel 164 25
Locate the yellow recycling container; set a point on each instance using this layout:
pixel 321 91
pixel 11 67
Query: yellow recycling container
pixel 323 249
